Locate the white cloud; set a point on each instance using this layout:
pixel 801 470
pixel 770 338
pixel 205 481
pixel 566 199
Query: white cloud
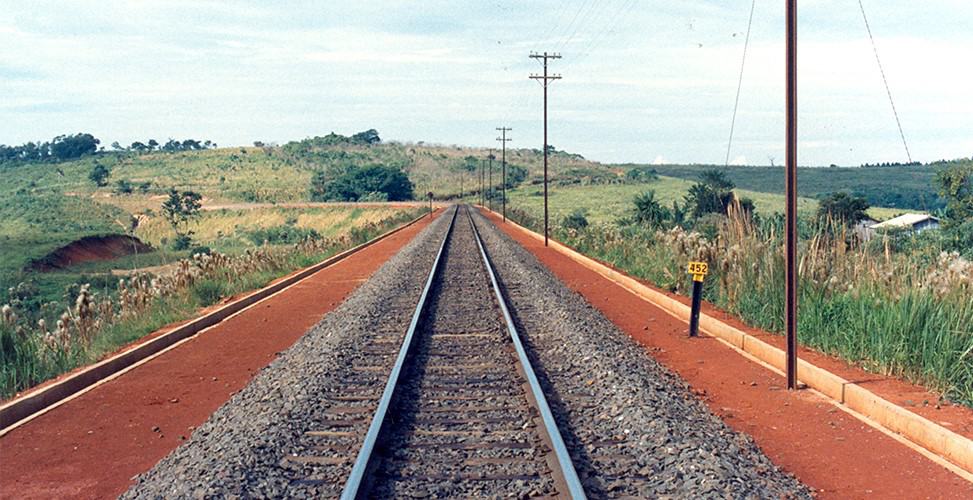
pixel 634 80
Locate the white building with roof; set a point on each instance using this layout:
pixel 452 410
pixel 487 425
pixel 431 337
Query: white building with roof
pixel 912 222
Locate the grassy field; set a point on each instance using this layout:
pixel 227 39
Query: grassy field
pixel 608 202
pixel 903 187
pixel 104 314
pixel 228 231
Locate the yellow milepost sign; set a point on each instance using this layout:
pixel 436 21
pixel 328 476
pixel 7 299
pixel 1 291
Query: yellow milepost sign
pixel 698 270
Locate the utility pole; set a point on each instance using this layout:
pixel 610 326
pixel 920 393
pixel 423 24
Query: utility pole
pixel 490 157
pixel 481 182
pixel 790 299
pixel 545 80
pixel 503 142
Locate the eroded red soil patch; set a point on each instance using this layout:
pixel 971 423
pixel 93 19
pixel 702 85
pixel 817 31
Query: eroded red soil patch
pixel 90 249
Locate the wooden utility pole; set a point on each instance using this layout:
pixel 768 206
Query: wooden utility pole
pixel 545 80
pixel 792 281
pixel 503 142
pixel 490 157
pixel 481 182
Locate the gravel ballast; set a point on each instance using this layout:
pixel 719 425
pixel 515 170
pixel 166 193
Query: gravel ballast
pixel 633 427
pixel 241 449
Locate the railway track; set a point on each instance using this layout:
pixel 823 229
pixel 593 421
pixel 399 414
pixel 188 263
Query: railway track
pixel 419 385
pixel 461 412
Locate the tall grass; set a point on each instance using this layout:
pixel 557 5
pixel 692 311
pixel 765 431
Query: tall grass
pixel 31 351
pixel 906 314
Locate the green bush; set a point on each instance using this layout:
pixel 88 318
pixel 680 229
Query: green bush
pixel 182 242
pixel 355 182
pixel 278 235
pixel 123 186
pixel 641 174
pixel 209 292
pixel 577 220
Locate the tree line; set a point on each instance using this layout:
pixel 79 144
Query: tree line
pixel 171 146
pixel 72 147
pixel 61 148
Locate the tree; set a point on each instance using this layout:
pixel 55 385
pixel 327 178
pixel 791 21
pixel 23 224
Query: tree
pixel 956 186
pixel 138 146
pixel 649 211
pixel 180 208
pixel 843 207
pixel 641 174
pixel 713 194
pixel 369 136
pixel 69 147
pixel 356 182
pixel 153 144
pixel 515 175
pixel 99 175
pixel 117 147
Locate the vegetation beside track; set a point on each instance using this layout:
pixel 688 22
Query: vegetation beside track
pixel 899 304
pixel 34 347
pixel 904 187
pixel 607 202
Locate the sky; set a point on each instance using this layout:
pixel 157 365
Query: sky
pixel 649 81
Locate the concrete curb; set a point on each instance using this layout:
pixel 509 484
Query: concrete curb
pixel 915 428
pixel 25 407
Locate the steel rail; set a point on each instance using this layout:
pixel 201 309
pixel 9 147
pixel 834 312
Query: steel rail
pixel 550 426
pixel 357 474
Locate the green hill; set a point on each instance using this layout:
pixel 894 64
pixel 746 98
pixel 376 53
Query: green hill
pixel 895 186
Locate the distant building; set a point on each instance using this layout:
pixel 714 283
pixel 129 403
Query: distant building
pixel 863 228
pixel 913 222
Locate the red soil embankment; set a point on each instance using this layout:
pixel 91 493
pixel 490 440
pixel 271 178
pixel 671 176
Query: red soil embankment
pixel 90 249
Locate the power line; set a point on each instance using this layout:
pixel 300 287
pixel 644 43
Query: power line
pixel 736 102
pixel 584 18
pixel 605 34
pixel 557 23
pixel 885 80
pixel 574 19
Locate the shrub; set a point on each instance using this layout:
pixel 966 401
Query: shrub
pixel 209 291
pixel 577 220
pixel 99 175
pixel 122 186
pixel 182 242
pixel 649 211
pixel 278 235
pixel 641 174
pixel 713 194
pixel 374 196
